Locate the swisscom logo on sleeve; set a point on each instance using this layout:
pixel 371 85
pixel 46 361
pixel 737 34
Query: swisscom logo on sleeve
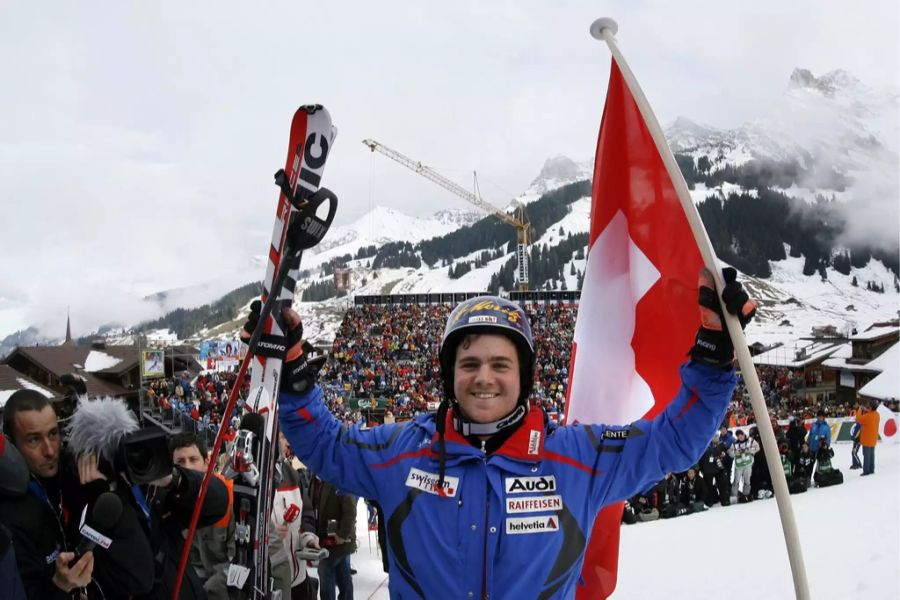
pixel 427 482
pixel 525 485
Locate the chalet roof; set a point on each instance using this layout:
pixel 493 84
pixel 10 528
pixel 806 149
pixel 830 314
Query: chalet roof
pixel 798 354
pixel 886 385
pixel 875 333
pixel 12 381
pixel 59 360
pixel 89 362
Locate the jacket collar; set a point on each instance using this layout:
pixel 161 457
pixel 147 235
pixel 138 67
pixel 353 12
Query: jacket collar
pixel 525 444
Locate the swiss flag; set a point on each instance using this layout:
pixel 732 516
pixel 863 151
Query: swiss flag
pixel 638 312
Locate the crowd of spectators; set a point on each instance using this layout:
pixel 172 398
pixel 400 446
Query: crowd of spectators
pixel 784 393
pixel 387 356
pixel 195 403
pixel 383 366
pixel 733 469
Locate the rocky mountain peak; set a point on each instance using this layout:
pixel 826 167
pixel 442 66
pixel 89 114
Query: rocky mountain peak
pixel 558 167
pixel 828 84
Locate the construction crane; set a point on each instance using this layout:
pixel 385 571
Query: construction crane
pixel 517 220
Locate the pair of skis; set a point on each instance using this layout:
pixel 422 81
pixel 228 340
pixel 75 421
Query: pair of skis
pixel 298 227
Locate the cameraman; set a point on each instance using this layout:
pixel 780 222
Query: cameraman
pixel 164 505
pixel 44 521
pixel 214 547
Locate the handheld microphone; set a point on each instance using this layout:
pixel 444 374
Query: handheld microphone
pixel 106 514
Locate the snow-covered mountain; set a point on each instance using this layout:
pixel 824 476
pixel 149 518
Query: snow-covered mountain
pixel 833 122
pixel 556 172
pixel 382 225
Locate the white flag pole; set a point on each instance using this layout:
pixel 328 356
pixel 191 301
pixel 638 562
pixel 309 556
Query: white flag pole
pixel 605 29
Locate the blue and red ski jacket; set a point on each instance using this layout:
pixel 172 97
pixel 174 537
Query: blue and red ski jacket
pixel 512 524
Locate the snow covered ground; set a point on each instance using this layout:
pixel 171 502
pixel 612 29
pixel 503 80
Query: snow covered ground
pixel 850 535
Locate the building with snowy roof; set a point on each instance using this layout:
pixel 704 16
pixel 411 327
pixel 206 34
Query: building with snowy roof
pixel 886 385
pixel 11 381
pixel 804 359
pixel 108 370
pixel 866 357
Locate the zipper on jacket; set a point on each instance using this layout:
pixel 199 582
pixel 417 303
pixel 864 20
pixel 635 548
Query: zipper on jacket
pixel 487 514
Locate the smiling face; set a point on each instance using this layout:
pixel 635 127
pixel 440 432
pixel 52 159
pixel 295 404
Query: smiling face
pixel 36 435
pixel 486 377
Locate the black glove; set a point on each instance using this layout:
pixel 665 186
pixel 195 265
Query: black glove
pixel 713 346
pixel 302 362
pixel 299 374
pixel 252 321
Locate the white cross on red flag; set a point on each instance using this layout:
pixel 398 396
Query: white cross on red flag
pixel 638 312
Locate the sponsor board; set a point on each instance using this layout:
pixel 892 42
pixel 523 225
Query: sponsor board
pixel 427 482
pixel 520 525
pixel 520 504
pixel 524 485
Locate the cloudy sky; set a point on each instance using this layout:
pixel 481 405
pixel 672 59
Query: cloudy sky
pixel 138 139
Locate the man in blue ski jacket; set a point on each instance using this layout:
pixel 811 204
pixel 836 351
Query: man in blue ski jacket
pixel 486 499
pixel 819 433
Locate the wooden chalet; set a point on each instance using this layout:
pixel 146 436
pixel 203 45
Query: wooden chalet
pixel 866 358
pixel 11 381
pixel 108 370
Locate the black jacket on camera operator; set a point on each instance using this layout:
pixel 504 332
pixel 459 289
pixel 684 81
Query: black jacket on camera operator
pixel 44 514
pixel 137 466
pixel 170 507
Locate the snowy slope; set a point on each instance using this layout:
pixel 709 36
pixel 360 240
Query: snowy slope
pixel 850 538
pixel 791 304
pixel 382 225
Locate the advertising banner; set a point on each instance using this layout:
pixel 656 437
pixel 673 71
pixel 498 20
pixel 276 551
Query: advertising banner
pixel 153 364
pixel 221 355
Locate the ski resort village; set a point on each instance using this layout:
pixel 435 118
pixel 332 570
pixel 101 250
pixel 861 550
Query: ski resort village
pixel 461 348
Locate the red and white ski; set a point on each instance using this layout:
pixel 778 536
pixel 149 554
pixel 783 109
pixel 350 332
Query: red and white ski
pixel 298 226
pixel 312 135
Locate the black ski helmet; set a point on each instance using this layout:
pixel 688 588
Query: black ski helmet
pixel 494 315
